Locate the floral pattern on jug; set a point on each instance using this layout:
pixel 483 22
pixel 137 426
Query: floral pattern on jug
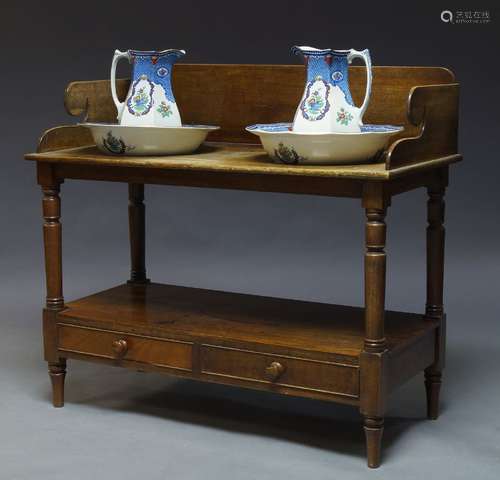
pixel 150 100
pixel 164 110
pixel 140 100
pixel 326 105
pixel 315 104
pixel 344 117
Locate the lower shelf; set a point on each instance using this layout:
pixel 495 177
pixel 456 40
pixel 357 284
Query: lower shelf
pixel 287 346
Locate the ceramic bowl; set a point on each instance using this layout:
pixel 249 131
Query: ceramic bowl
pixel 132 140
pixel 285 146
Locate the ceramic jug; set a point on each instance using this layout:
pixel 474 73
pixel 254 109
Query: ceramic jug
pixel 150 100
pixel 326 105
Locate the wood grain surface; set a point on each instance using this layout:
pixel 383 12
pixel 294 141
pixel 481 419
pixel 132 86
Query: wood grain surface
pixel 186 313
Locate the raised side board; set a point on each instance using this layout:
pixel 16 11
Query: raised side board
pixel 433 110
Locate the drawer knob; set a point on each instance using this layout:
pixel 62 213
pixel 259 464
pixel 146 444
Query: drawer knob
pixel 275 370
pixel 120 347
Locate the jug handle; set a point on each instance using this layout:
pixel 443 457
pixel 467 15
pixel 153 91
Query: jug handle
pixel 365 56
pixel 116 57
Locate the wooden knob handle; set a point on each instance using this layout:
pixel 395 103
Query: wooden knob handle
pixel 120 347
pixel 275 370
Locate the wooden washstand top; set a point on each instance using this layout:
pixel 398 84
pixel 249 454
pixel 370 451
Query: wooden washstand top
pixel 423 99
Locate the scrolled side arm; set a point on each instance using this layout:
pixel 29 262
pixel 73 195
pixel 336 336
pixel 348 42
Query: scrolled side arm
pixel 433 111
pixel 65 136
pixel 92 99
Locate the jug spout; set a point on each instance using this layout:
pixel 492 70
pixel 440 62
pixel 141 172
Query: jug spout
pixel 155 57
pixel 158 53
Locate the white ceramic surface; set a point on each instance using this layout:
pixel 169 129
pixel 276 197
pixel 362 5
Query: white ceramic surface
pixel 150 100
pixel 326 105
pixel 131 140
pixel 286 146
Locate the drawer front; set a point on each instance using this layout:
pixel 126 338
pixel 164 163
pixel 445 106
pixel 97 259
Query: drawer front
pixel 121 346
pixel 285 371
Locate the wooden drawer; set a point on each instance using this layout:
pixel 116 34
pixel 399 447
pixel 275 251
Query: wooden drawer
pixel 284 371
pixel 121 346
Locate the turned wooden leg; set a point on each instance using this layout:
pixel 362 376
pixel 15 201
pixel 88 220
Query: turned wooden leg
pixel 57 373
pixel 432 388
pixel 374 428
pixel 434 304
pixel 373 358
pixel 52 236
pixel 137 231
pixel 375 266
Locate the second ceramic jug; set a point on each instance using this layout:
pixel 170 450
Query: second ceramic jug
pixel 150 100
pixel 326 105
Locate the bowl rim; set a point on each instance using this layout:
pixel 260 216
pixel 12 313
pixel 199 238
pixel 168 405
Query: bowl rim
pixel 155 127
pixel 256 131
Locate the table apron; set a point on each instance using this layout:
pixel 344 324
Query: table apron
pixel 323 186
